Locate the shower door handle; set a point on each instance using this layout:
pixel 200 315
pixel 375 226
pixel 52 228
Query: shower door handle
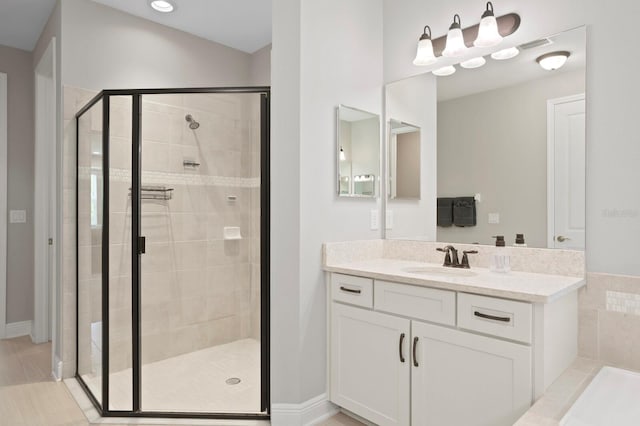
pixel 142 245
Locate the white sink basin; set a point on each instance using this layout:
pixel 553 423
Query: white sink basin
pixel 440 270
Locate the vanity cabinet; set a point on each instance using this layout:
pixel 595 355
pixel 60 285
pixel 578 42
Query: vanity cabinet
pixel 402 354
pixel 370 373
pixel 460 378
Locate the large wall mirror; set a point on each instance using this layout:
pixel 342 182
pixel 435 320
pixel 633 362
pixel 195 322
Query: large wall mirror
pixel 509 139
pixel 357 152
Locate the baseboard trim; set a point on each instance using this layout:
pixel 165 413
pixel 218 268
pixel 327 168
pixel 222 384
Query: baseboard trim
pixel 17 329
pixel 307 413
pixel 56 372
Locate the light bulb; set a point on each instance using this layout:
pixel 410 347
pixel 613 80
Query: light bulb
pixel 488 34
pixel 424 55
pixel 162 6
pixel 455 40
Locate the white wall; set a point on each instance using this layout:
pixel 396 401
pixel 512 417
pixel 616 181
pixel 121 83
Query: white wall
pixel 337 60
pixel 613 148
pixel 414 101
pixel 104 48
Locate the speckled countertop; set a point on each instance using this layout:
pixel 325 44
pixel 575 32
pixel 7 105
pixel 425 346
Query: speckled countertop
pixel 524 286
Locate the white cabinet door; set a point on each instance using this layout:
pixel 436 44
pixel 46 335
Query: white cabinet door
pixel 462 379
pixel 370 373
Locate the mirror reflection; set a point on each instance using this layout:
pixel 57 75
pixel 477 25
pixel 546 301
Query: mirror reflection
pixel 510 150
pixel 404 160
pixel 358 152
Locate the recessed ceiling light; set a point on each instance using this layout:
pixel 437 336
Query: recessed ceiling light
pixel 162 6
pixel 552 61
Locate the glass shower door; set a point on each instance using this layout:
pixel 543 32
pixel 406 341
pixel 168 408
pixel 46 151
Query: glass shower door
pixel 200 276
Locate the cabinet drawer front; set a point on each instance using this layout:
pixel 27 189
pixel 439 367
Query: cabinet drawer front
pixel 353 290
pixel 423 303
pixel 499 317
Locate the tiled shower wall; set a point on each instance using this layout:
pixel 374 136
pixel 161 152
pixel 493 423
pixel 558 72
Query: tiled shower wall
pixel 610 320
pixel 198 290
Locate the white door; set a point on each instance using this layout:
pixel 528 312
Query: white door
pixel 463 379
pixel 566 146
pixel 370 374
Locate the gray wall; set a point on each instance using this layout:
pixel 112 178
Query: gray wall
pixel 500 152
pixel 261 67
pixel 17 64
pixel 407 145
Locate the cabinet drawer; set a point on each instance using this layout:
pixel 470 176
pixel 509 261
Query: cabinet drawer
pixel 423 303
pixel 353 290
pixel 503 318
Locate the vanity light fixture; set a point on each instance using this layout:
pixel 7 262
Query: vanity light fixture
pixel 425 55
pixel 553 60
pixel 473 63
pixel 444 71
pixel 163 6
pixel 343 157
pixel 455 40
pixel 504 54
pixel 488 35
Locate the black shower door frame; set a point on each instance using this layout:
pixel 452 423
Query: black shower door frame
pixel 137 248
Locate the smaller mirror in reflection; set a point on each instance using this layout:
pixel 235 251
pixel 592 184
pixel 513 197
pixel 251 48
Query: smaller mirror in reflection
pixel 404 160
pixel 358 152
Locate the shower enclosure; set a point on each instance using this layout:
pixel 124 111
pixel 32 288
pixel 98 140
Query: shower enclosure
pixel 172 252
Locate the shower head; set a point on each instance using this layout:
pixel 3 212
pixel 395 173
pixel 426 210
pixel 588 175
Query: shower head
pixel 193 124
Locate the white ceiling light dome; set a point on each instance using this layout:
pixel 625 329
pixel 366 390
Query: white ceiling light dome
pixel 504 54
pixel 444 71
pixel 473 63
pixel 553 60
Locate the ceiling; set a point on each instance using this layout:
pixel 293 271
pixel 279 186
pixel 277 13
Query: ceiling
pixel 242 24
pixel 497 74
pixel 22 21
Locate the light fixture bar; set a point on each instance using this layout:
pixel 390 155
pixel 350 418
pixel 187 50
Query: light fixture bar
pixel 507 25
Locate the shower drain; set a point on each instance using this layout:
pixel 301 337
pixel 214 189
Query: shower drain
pixel 232 381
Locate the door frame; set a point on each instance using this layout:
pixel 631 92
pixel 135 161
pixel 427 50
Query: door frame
pixel 551 159
pixel 45 199
pixel 3 204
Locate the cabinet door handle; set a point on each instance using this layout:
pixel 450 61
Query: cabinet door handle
pixel 415 356
pixel 491 317
pixel 400 347
pixel 350 290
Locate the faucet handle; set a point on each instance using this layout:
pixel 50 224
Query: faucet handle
pixel 447 257
pixel 465 258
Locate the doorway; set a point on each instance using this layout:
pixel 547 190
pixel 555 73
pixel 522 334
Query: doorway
pixel 566 172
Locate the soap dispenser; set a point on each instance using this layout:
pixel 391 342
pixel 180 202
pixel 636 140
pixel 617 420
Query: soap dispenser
pixel 500 261
pixel 520 241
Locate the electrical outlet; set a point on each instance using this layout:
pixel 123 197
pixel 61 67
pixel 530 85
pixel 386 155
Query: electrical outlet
pixel 17 216
pixel 375 222
pixel 494 218
pixel 389 219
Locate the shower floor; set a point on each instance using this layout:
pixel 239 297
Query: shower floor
pixel 194 382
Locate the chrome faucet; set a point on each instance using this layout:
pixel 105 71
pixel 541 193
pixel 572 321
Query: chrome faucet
pixel 451 257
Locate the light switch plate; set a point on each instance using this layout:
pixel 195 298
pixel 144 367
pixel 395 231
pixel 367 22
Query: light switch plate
pixel 494 218
pixel 17 216
pixel 375 225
